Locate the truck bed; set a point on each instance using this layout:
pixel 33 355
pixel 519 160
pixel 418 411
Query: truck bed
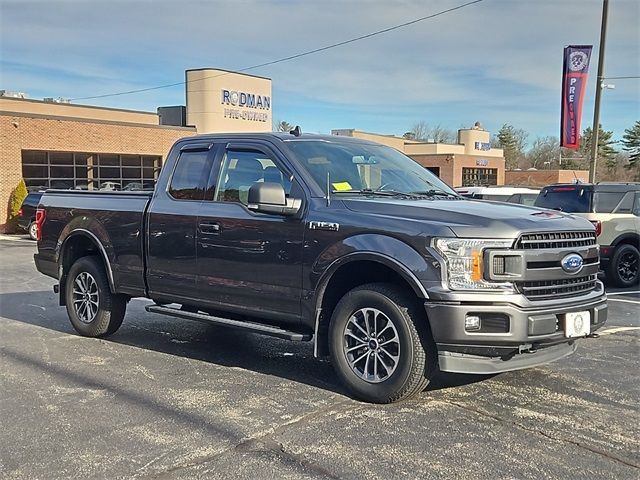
pixel 114 219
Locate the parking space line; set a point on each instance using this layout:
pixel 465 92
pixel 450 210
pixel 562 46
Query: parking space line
pixel 16 239
pixel 635 302
pixel 610 331
pixel 622 293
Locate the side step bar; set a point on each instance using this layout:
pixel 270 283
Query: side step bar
pixel 225 322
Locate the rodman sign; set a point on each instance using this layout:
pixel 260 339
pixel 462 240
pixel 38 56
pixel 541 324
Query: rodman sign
pixel 574 84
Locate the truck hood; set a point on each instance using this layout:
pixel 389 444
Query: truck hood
pixel 471 218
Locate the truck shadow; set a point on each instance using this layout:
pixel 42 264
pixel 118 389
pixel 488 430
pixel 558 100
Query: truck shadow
pixel 197 341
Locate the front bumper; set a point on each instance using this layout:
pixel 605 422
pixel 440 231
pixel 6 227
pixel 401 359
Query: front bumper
pixel 462 363
pixel 533 334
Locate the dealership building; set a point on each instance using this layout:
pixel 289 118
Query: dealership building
pixel 52 143
pixel 471 161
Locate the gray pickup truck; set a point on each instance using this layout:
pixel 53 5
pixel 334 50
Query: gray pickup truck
pixel 339 241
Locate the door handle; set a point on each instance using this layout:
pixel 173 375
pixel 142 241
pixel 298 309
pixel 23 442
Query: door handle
pixel 210 228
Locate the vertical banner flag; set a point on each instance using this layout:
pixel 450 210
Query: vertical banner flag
pixel 574 84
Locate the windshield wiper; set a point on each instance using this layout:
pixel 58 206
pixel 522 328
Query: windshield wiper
pixel 434 193
pixel 369 191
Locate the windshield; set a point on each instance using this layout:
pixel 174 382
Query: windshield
pixel 358 167
pixel 570 199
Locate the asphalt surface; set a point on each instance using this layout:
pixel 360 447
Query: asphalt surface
pixel 166 398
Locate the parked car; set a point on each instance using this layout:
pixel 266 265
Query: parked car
pixel 27 214
pixel 110 186
pixel 134 186
pixel 341 241
pixel 519 195
pixel 614 208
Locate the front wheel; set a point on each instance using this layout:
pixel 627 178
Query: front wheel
pixel 380 344
pixel 93 310
pixel 624 266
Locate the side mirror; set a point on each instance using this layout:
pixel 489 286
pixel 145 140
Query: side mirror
pixel 268 197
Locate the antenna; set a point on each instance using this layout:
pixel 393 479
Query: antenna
pixel 328 189
pixel 296 132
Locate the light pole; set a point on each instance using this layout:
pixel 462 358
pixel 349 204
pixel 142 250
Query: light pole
pixel 599 79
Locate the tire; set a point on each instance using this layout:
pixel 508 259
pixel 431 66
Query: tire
pixel 408 338
pixel 99 313
pixel 623 270
pixel 31 230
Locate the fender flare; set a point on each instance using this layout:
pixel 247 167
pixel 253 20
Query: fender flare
pixel 96 241
pixel 380 258
pixel 366 255
pixel 634 237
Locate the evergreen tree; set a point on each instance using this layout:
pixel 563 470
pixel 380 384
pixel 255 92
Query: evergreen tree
pixel 513 141
pixel 606 153
pixel 283 126
pixel 631 142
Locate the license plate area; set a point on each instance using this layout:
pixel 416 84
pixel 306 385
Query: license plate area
pixel 577 324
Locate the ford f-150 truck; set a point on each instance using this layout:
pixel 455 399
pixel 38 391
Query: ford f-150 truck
pixel 341 241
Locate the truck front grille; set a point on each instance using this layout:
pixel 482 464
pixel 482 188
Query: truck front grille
pixel 536 241
pixel 550 289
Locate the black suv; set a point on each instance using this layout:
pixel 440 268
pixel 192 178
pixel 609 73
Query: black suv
pixel 614 209
pixel 27 214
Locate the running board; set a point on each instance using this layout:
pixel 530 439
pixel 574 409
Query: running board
pixel 225 322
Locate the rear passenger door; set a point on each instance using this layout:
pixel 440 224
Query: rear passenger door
pixel 250 262
pixel 172 225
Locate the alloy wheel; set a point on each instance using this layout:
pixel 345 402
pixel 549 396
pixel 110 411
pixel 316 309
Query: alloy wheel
pixel 628 266
pixel 371 345
pixel 85 297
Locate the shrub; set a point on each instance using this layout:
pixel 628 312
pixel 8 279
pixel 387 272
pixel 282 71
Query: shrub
pixel 15 202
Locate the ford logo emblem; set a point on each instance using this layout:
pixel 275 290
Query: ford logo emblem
pixel 572 263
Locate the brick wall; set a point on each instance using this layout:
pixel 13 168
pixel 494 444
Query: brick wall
pixel 540 178
pixel 22 132
pixel 451 166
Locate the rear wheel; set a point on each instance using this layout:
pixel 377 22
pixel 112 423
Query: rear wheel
pixel 380 344
pixel 33 231
pixel 624 266
pixel 93 310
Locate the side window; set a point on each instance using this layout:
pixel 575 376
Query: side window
pixel 636 205
pixel 241 169
pixel 606 202
pixel 626 204
pixel 190 175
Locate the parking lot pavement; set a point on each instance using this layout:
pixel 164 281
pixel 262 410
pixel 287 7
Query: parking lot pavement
pixel 164 398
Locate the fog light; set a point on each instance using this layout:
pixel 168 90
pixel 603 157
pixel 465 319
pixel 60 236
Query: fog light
pixel 472 322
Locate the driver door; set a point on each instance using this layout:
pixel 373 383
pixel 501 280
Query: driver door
pixel 250 262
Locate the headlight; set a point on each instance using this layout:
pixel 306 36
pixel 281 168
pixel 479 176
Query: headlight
pixel 465 263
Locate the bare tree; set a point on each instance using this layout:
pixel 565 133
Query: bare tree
pixel 440 134
pixel 422 131
pixel 543 150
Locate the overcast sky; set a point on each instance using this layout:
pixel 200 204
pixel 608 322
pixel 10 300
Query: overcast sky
pixel 498 61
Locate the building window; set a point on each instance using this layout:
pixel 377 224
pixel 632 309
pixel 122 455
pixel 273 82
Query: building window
pixel 434 170
pixel 472 177
pixel 92 171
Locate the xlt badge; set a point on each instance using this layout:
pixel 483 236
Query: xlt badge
pixel 331 226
